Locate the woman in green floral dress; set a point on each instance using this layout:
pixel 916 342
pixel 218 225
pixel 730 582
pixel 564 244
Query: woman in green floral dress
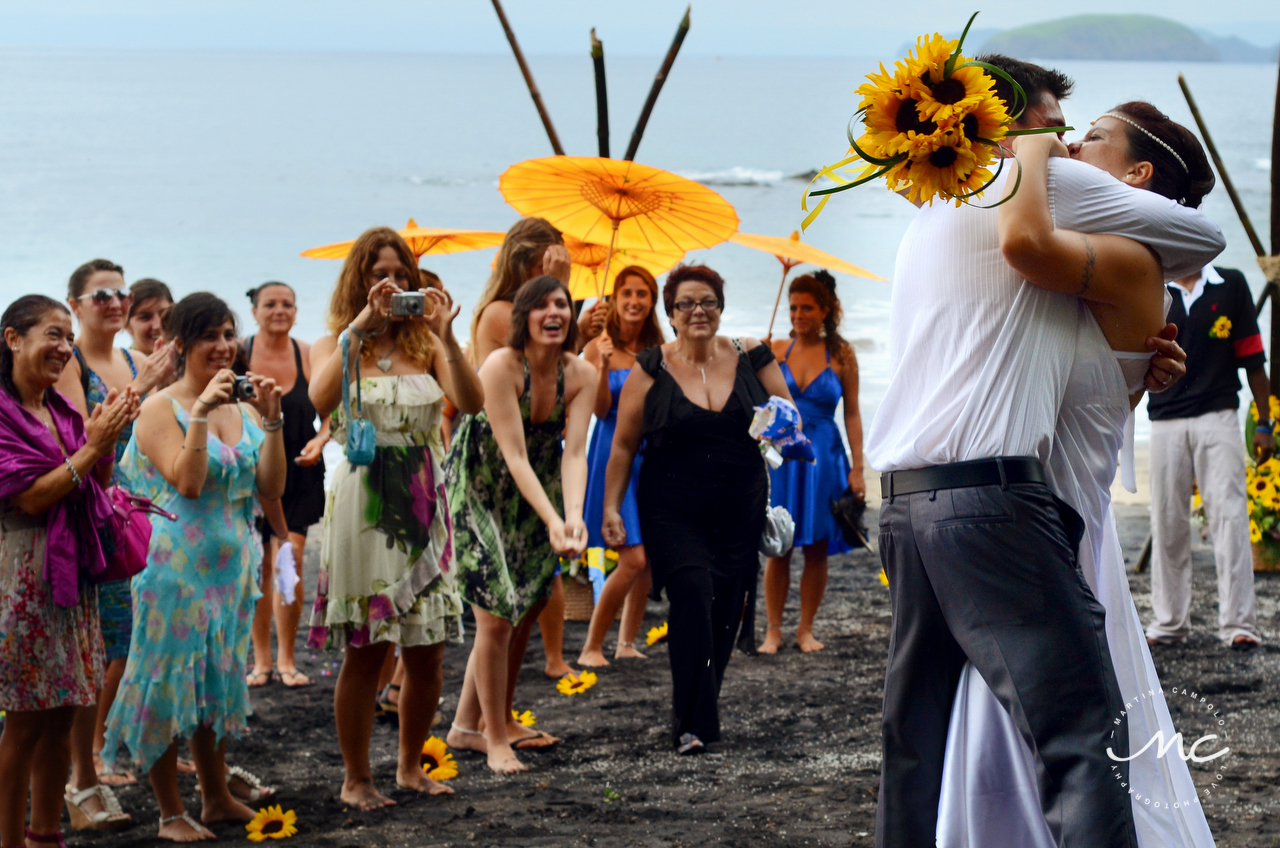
pixel 507 479
pixel 386 557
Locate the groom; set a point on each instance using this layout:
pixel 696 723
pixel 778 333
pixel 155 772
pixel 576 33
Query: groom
pixel 980 554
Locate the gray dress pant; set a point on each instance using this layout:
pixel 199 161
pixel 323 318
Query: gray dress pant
pixel 990 575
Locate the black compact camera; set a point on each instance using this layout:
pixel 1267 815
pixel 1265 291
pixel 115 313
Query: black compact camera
pixel 408 304
pixel 242 389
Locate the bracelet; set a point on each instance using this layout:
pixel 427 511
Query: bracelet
pixel 272 426
pixel 1264 427
pixel 75 475
pixel 199 420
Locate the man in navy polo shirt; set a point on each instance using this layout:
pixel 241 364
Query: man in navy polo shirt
pixel 1195 438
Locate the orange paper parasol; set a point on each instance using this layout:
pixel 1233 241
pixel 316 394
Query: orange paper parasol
pixel 422 241
pixel 630 205
pixel 589 261
pixel 792 252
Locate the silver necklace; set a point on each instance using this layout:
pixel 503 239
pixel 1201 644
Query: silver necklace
pixel 385 362
pixel 701 368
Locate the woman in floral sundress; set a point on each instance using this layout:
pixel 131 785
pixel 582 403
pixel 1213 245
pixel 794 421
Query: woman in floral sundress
pixel 386 557
pixel 198 453
pixel 507 478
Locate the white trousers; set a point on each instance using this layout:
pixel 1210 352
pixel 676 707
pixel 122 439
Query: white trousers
pixel 1207 450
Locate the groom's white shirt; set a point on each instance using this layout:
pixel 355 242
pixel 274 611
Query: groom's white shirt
pixel 980 357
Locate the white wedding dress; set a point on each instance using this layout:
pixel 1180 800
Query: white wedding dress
pixel 989 793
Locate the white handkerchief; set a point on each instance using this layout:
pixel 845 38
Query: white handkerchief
pixel 286 573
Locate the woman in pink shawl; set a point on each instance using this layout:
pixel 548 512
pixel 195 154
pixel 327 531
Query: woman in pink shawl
pixel 53 513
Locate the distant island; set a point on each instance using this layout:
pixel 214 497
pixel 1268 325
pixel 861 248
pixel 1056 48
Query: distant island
pixel 1123 38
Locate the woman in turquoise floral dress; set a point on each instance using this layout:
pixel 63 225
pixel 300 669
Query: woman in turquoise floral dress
pixel 205 457
pixel 386 556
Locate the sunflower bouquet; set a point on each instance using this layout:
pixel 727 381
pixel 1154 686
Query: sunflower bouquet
pixel 1262 480
pixel 932 127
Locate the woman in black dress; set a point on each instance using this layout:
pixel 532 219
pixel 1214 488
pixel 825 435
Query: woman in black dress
pixel 703 487
pixel 273 353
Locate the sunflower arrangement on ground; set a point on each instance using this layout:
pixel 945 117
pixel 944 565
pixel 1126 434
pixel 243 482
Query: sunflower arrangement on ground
pixel 1262 481
pixel 437 762
pixel 932 127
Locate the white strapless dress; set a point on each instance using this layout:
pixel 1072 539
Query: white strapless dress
pixel 989 793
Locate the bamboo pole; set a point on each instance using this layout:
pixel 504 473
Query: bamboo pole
pixel 528 78
pixel 1222 171
pixel 638 132
pixel 602 97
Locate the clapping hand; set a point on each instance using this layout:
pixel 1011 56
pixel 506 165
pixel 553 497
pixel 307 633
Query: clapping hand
pixel 556 262
pixel 103 426
pixel 156 369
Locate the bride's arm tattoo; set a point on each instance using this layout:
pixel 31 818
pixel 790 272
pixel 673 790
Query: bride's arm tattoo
pixel 1091 260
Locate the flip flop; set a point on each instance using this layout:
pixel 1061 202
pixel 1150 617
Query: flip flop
pixel 257 679
pixel 389 712
pixel 690 744
pixel 300 680
pixel 522 744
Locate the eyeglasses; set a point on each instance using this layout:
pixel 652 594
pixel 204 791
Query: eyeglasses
pixel 687 306
pixel 102 297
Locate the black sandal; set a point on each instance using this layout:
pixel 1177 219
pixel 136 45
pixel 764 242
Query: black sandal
pixel 690 744
pixel 388 711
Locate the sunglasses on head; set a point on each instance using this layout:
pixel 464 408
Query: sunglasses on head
pixel 102 297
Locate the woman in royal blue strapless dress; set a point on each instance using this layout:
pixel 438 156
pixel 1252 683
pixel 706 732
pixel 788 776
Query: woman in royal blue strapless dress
pixel 821 370
pixel 631 326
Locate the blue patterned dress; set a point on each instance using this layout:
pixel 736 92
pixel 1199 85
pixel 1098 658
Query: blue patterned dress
pixel 195 602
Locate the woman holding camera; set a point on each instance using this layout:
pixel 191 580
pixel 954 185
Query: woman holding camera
pixel 52 509
pixel 204 448
pixel 508 481
pixel 386 560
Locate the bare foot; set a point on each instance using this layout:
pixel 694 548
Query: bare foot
pixel 229 809
pixel 558 670
pixel 184 830
pixel 808 644
pixel 627 652
pixel 186 767
pixel 363 796
pixel 503 760
pixel 419 782
pixel 772 642
pixel 120 778
pixel 466 740
pixel 593 657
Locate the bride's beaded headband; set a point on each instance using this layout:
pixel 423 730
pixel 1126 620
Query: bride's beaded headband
pixel 1131 122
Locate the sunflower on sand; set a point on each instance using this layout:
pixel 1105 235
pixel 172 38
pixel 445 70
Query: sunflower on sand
pixel 437 762
pixel 272 823
pixel 576 684
pixel 656 634
pixel 525 719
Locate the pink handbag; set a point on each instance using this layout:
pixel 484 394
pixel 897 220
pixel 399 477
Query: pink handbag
pixel 131 531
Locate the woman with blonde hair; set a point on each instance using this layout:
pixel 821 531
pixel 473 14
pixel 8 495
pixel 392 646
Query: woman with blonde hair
pixel 532 248
pixel 386 557
pixel 631 326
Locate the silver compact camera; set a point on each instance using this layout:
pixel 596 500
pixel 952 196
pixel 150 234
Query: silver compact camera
pixel 408 304
pixel 242 389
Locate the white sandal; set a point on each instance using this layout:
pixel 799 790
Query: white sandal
pixel 257 792
pixel 200 830
pixel 110 817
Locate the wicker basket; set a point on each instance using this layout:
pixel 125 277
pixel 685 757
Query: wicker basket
pixel 1266 556
pixel 579 600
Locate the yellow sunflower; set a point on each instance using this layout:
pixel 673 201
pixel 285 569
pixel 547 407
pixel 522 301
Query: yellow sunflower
pixel 1262 489
pixel 890 114
pixel 927 62
pixel 526 718
pixel 1221 328
pixel 272 823
pixel 656 634
pixel 1255 532
pixel 959 94
pixel 437 762
pixel 576 684
pixel 988 119
pixel 947 166
pixel 1274 407
pixel 1269 469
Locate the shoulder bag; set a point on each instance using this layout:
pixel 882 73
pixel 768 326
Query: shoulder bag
pixel 362 436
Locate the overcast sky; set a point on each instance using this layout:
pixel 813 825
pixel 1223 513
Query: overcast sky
pixel 628 27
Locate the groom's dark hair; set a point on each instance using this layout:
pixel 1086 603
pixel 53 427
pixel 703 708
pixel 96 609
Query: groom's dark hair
pixel 1035 80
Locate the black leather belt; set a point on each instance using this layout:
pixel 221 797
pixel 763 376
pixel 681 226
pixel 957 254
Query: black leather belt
pixel 1000 471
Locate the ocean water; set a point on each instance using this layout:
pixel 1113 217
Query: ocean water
pixel 214 170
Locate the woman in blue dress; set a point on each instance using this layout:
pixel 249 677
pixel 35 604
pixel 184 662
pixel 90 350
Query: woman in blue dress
pixel 821 370
pixel 631 326
pixel 197 452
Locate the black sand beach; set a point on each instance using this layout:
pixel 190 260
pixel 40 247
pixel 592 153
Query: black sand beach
pixel 799 764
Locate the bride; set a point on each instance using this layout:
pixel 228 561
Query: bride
pixel 989 795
